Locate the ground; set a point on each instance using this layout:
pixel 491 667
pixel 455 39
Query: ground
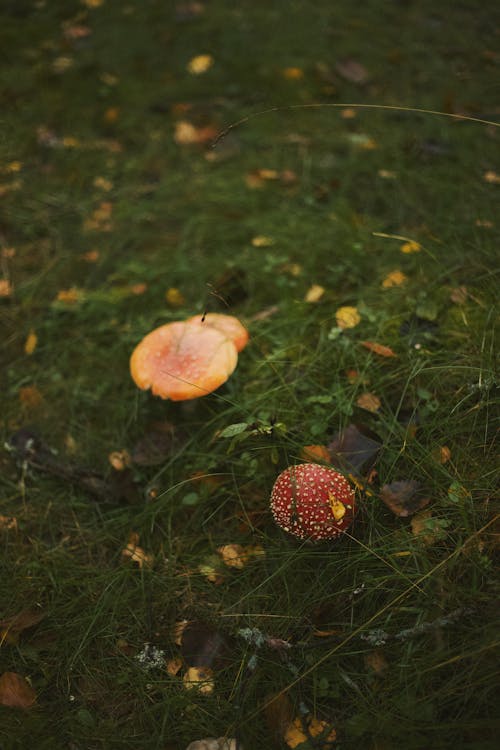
pixel 160 160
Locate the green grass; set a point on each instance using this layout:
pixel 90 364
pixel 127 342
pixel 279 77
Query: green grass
pixel 184 221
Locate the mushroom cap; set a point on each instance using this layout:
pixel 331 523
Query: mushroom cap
pixel 312 502
pixel 226 324
pixel 183 360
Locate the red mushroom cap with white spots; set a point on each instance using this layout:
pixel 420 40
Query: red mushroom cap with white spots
pixel 313 502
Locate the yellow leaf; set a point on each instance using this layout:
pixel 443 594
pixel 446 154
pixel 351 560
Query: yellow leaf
pixel 6 288
pixel 237 555
pixel 314 293
pixel 441 454
pixel 347 317
pixel 7 523
pixel 200 679
pixel 186 133
pixel 394 278
pixel 492 177
pixel 200 64
pixel 70 296
pixel 119 460
pixel 410 247
pixel 261 240
pixel 211 573
pixel 387 174
pixel 296 734
pixel 174 297
pixel 30 343
pixel 136 553
pixel 293 74
pixel 92 3
pixel 103 184
pixel 369 401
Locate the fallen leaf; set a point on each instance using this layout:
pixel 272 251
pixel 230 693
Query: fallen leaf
pixel 410 247
pixel 136 553
pixel 119 460
pixel 380 349
pixel 200 679
pixel 12 627
pixel 347 317
pixel 459 295
pixel 426 528
pixel 156 445
pixel 262 240
pixel 63 63
pixel 352 71
pixel 404 498
pixel 238 555
pixel 348 113
pixel 355 448
pixel 441 454
pixel 111 115
pixel 376 662
pixel 30 397
pixel 15 691
pixel 486 223
pixel 387 174
pixel 6 288
pixel 100 219
pixel 362 141
pixel 315 453
pixel 200 64
pixel 492 177
pixel 302 729
pixel 76 32
pixel 293 74
pixel 8 252
pixel 92 3
pixel 314 293
pixel 369 401
pixel 91 256
pixel 70 296
pixel 103 184
pixel 174 297
pixel 394 278
pixel 174 666
pixel 109 79
pixel 8 523
pixel 30 343
pixel 186 133
pixel 211 573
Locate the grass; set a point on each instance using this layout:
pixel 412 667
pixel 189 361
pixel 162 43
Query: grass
pixel 105 106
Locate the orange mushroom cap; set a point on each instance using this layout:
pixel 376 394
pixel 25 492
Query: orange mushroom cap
pixel 183 360
pixel 226 324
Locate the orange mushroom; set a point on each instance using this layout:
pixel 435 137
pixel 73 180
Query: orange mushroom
pixel 184 360
pixel 226 324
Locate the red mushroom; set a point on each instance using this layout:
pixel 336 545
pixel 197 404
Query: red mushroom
pixel 183 360
pixel 312 502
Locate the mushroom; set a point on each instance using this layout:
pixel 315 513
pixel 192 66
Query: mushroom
pixel 226 324
pixel 184 360
pixel 312 502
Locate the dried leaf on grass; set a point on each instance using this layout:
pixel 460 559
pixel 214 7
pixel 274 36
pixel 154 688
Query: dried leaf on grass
pixel 380 349
pixel 428 529
pixel 200 64
pixel 347 317
pixel 186 133
pixel 394 278
pixel 315 453
pixel 15 691
pixel 355 448
pixel 136 553
pixel 8 523
pixel 314 293
pixel 303 729
pixel 238 555
pixel 369 402
pixel 30 343
pixel 404 498
pixel 12 627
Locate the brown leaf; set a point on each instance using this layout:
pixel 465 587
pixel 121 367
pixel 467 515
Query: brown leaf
pixel 315 453
pixel 7 523
pixel 355 448
pixel 380 349
pixel 352 71
pixel 369 401
pixel 187 134
pixel 15 691
pixel 239 555
pixel 404 498
pixel 12 627
pixel 30 397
